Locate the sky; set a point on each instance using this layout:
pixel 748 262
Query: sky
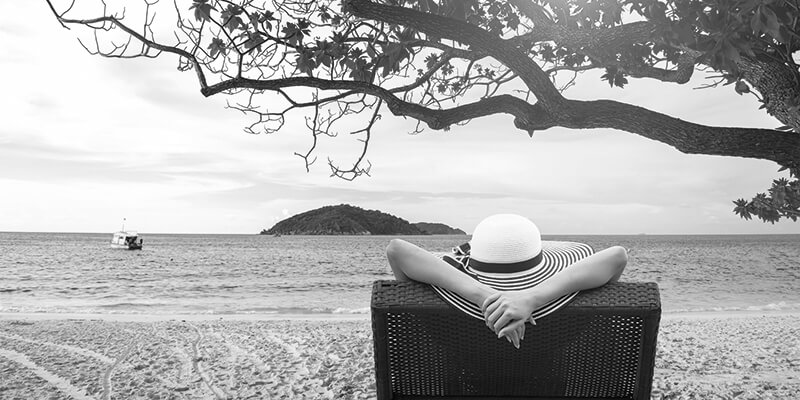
pixel 89 142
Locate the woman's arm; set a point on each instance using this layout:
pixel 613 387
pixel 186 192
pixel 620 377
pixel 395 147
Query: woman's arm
pixel 410 262
pixel 507 311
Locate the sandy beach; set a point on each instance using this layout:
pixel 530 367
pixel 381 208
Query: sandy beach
pixel 703 356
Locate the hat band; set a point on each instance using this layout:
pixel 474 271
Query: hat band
pixel 504 267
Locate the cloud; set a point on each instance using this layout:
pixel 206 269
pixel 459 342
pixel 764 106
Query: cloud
pixel 31 158
pixel 264 191
pixel 43 104
pixel 138 130
pixel 159 84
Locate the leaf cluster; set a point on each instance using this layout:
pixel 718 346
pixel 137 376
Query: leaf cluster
pixel 289 47
pixel 781 201
pixel 725 31
pixel 720 31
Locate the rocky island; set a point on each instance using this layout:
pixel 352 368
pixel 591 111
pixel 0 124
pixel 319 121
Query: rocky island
pixel 435 228
pixel 345 219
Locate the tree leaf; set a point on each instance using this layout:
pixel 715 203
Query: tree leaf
pixel 741 88
pixel 305 62
pixel 217 46
pixel 230 17
pixel 202 10
pixel 620 80
pixel 255 39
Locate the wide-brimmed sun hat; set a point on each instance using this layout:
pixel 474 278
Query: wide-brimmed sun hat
pixel 506 252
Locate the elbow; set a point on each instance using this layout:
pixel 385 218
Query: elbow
pixel 619 257
pixel 394 249
pixel 395 252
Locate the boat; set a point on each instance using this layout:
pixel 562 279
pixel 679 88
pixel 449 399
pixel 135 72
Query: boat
pixel 128 240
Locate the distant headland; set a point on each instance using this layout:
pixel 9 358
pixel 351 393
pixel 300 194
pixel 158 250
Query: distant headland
pixel 345 219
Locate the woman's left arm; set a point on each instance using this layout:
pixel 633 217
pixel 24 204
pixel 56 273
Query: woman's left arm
pixel 410 262
pixel 506 311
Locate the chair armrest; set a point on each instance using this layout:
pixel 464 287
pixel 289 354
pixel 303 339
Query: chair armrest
pixel 622 297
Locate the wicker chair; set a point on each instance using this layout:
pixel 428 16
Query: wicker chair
pixel 601 345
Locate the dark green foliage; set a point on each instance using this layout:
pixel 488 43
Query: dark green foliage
pixel 343 219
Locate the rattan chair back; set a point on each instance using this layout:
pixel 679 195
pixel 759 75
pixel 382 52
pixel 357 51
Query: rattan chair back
pixel 602 345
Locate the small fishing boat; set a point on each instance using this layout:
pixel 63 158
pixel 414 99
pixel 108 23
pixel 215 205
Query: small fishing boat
pixel 128 240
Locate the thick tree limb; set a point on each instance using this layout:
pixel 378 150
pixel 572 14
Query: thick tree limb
pixel 600 44
pixel 780 147
pixel 529 117
pixel 551 110
pixel 478 39
pixel 610 39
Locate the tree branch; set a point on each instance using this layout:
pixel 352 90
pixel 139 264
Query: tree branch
pixel 149 43
pixel 600 44
pixel 529 72
pixel 529 117
pixel 778 146
pixel 687 137
pixel 610 39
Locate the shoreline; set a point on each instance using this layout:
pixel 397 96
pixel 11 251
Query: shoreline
pixel 132 317
pixel 143 317
pixel 751 355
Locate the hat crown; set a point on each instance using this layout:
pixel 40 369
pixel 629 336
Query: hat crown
pixel 505 239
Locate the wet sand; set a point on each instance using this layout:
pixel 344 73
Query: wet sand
pixel 713 356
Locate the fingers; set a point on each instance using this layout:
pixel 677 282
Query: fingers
pixel 491 318
pixel 516 328
pixel 490 306
pixel 513 338
pixel 490 303
pixel 501 322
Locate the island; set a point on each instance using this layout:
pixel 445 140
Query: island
pixel 345 219
pixel 435 228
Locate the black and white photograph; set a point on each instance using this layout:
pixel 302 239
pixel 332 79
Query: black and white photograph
pixel 397 199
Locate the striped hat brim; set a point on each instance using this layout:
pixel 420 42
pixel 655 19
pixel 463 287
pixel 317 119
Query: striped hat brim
pixel 557 255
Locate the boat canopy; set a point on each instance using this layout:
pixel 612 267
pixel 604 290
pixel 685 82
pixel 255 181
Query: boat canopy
pixel 126 234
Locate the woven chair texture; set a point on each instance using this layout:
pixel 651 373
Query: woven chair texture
pixel 601 345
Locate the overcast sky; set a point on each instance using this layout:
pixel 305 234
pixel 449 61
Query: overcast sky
pixel 87 141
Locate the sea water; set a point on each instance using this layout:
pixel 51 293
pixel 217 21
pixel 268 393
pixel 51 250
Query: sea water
pixel 260 274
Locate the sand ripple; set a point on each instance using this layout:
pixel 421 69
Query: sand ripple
pixel 728 358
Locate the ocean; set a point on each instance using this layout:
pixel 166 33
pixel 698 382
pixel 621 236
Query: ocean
pixel 260 274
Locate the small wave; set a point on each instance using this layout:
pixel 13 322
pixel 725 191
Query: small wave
pixel 782 305
pixel 132 304
pixel 12 290
pixel 156 309
pixel 779 306
pixel 340 310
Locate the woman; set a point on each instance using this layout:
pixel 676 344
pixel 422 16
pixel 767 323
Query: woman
pixel 506 274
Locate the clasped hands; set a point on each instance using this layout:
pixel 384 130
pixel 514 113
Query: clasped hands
pixel 505 314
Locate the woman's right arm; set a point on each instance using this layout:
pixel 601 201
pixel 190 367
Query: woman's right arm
pixel 506 311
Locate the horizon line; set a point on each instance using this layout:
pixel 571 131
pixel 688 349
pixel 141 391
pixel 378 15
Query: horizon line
pixel 467 234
